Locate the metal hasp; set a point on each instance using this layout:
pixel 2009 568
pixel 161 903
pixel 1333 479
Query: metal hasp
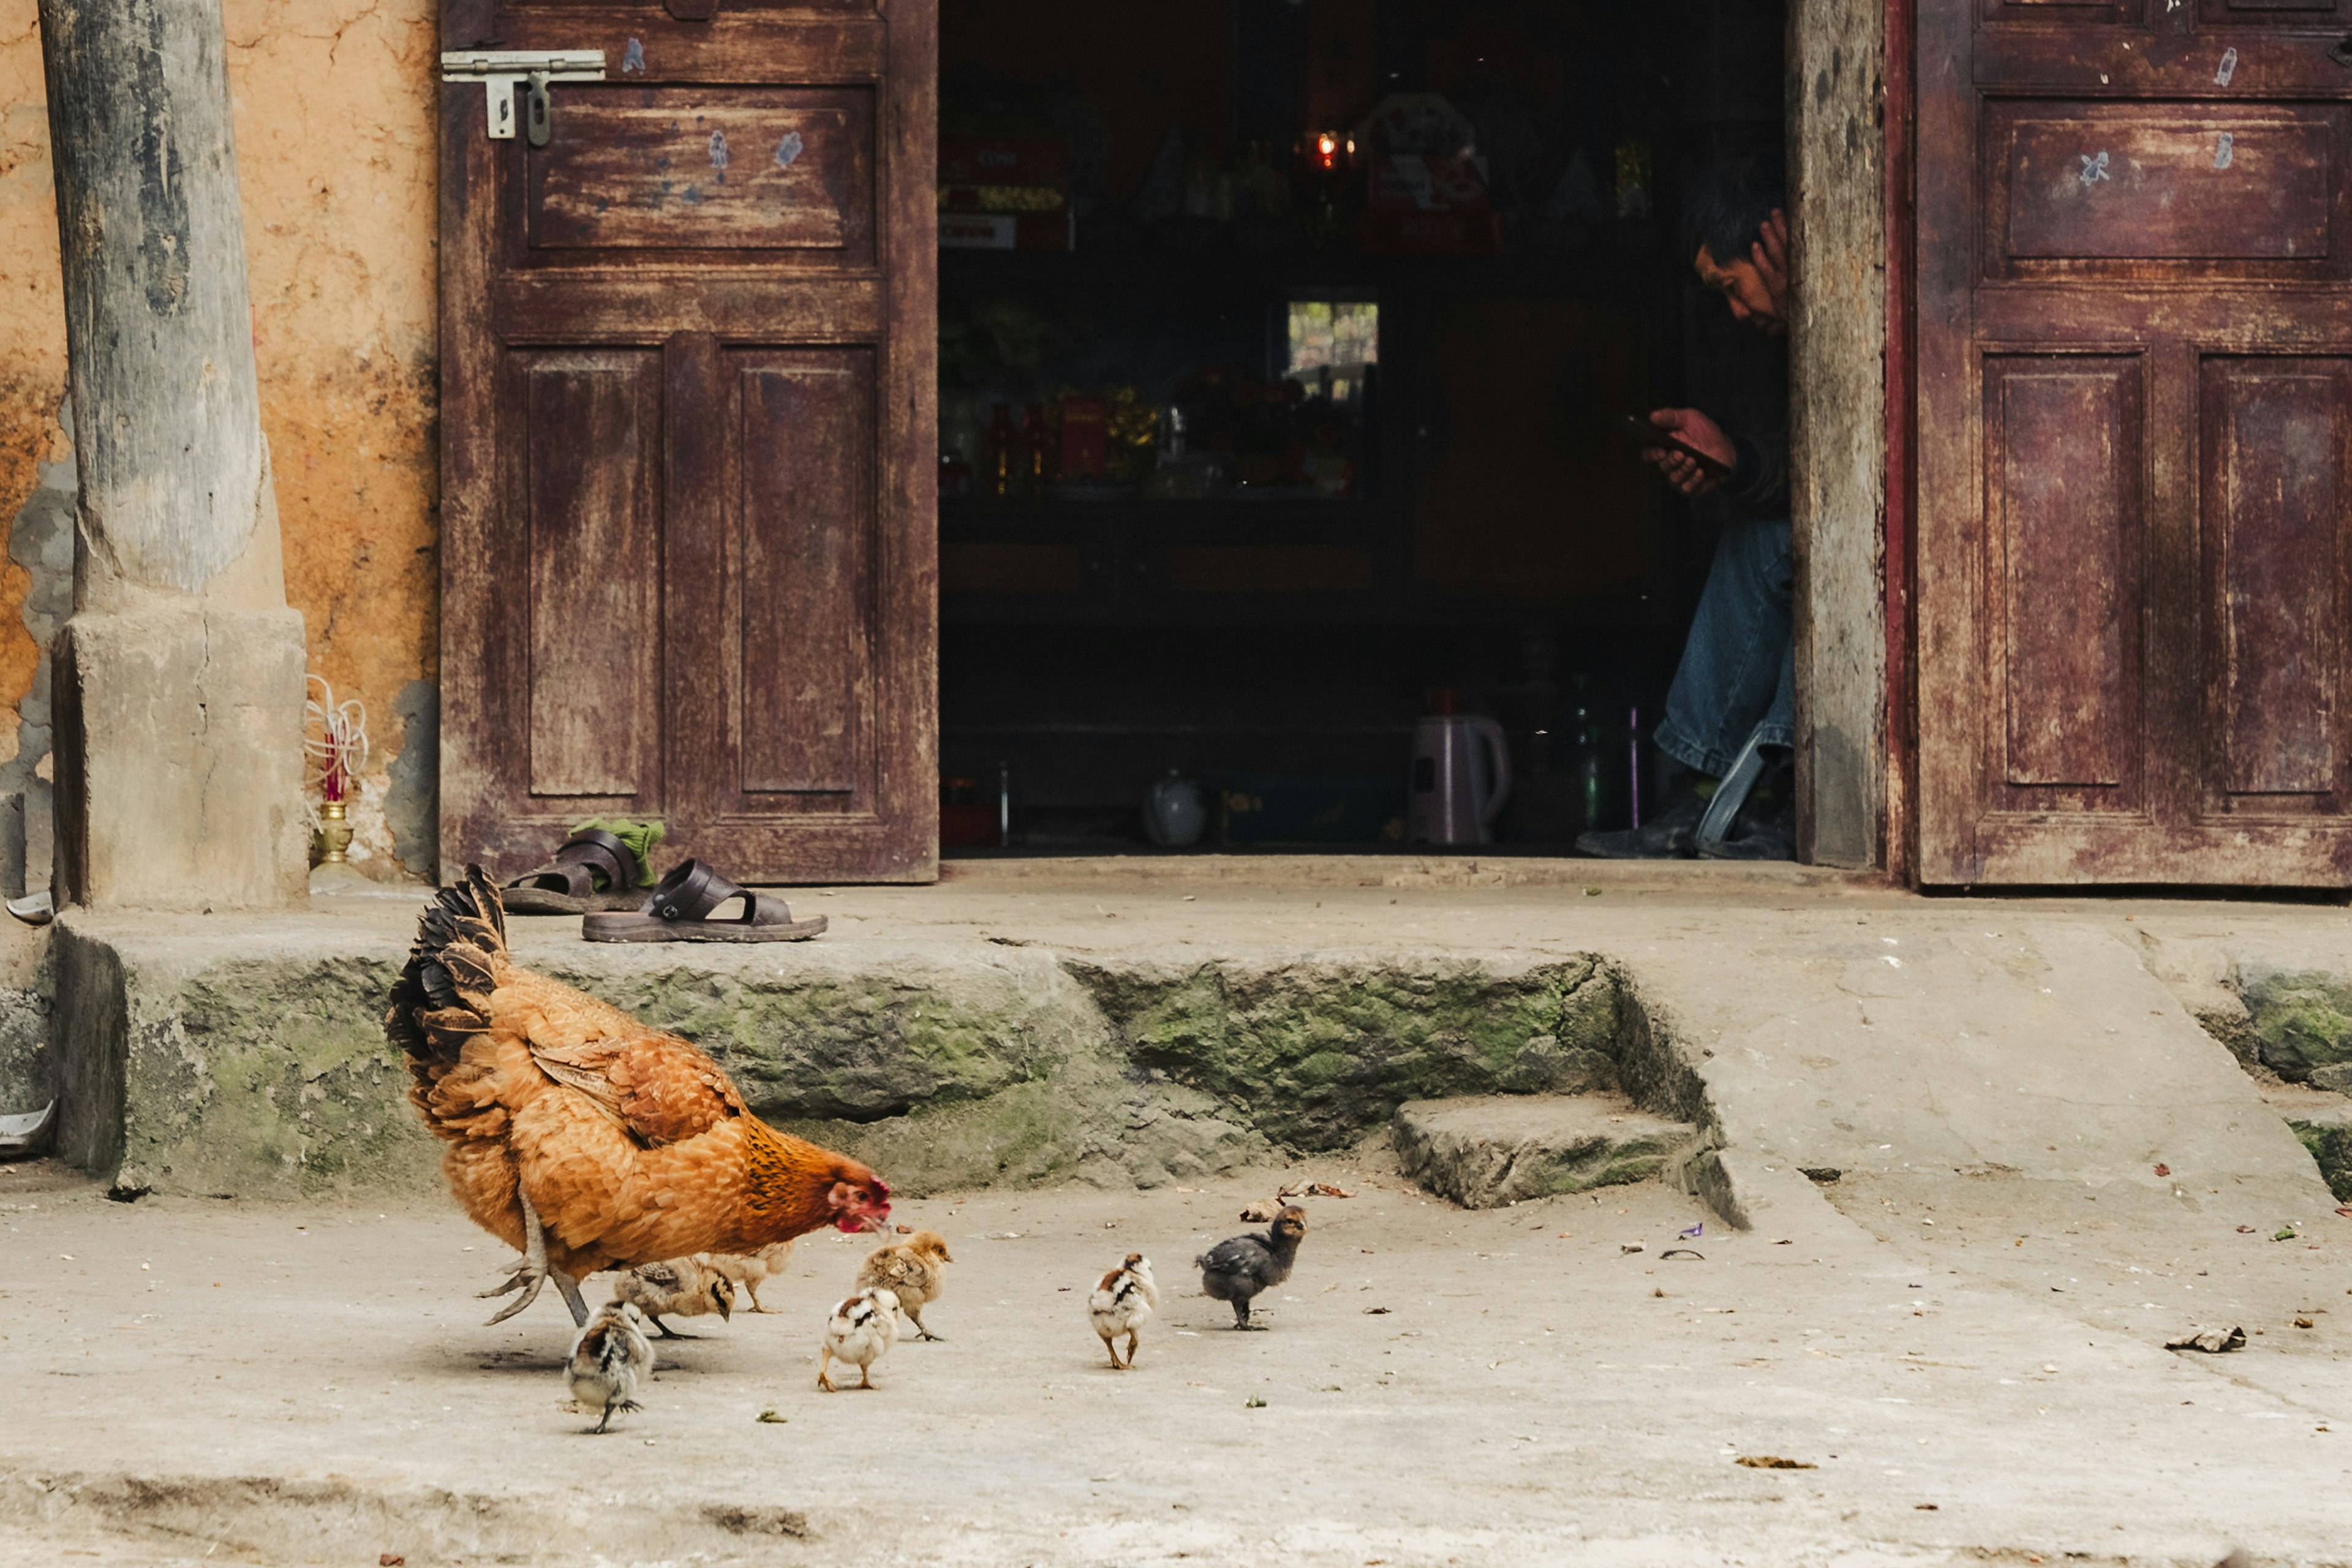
pixel 502 70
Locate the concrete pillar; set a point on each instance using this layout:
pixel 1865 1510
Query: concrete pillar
pixel 178 682
pixel 1837 424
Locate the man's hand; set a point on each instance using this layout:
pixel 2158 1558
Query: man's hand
pixel 1771 254
pixel 1699 433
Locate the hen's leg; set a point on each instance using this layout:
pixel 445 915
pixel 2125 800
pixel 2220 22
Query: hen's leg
pixel 1240 1314
pixel 1110 1343
pixel 1133 1339
pixel 607 1421
pixel 571 1298
pixel 917 1314
pixel 753 1291
pixel 529 1274
pixel 866 1375
pixel 667 1332
pixel 824 1370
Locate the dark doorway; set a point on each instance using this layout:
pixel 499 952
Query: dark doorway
pixel 1396 266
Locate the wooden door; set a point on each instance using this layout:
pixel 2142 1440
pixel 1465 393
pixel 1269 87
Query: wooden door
pixel 688 543
pixel 2134 263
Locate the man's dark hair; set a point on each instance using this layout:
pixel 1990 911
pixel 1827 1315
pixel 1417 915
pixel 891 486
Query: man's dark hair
pixel 1729 203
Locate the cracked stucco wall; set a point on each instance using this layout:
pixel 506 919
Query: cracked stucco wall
pixel 335 127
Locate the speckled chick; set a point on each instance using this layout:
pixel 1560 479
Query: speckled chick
pixel 609 1359
pixel 861 1332
pixel 1122 1304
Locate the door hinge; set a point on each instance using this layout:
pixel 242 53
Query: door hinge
pixel 501 71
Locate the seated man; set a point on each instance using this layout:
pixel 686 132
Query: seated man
pixel 1736 682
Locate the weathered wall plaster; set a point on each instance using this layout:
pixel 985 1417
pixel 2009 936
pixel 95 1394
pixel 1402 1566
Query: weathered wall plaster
pixel 334 103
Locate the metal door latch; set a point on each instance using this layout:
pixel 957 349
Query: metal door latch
pixel 502 70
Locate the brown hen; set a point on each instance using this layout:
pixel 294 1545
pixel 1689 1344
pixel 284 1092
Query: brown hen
pixel 579 1136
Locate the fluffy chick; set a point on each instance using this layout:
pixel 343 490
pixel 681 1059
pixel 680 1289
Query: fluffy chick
pixel 683 1287
pixel 1238 1269
pixel 909 1270
pixel 1121 1304
pixel 609 1359
pixel 861 1332
pixel 747 1269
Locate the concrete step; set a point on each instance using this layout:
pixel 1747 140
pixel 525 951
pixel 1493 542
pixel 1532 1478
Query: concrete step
pixel 1486 1150
pixel 1034 1026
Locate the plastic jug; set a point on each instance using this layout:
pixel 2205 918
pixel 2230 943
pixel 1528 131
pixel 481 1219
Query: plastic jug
pixel 1174 812
pixel 1461 778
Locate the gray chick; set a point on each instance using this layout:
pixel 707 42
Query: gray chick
pixel 609 1359
pixel 1238 1269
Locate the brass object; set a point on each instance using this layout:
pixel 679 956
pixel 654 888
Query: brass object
pixel 334 834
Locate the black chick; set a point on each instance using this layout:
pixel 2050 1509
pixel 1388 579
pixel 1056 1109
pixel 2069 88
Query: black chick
pixel 1237 1270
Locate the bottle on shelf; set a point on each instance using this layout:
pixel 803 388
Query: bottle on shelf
pixel 997 445
pixel 1034 439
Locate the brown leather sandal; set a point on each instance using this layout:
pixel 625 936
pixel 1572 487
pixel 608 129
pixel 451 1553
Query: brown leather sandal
pixel 566 885
pixel 680 910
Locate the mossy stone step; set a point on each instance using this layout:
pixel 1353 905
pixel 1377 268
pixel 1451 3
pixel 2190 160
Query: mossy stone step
pixel 2327 1131
pixel 1486 1151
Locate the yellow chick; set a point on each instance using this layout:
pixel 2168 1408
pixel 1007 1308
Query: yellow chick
pixel 909 1270
pixel 683 1287
pixel 747 1269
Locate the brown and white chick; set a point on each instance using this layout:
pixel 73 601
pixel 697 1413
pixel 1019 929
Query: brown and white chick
pixel 909 1270
pixel 683 1287
pixel 747 1269
pixel 1121 1304
pixel 609 1359
pixel 861 1332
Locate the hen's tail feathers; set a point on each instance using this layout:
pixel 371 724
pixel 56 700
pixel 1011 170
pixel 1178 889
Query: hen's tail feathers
pixel 443 996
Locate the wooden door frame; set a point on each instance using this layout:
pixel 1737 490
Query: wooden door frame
pixel 1899 526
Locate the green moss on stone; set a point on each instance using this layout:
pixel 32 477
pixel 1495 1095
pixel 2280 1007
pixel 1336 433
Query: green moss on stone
pixel 271 1078
pixel 2331 1147
pixel 2300 1021
pixel 1317 1054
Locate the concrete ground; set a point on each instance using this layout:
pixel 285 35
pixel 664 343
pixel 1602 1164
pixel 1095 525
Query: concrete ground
pixel 2046 1164
pixel 191 1382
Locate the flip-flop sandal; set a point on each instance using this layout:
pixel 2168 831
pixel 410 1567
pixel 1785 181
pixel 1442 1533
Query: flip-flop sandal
pixel 566 885
pixel 680 910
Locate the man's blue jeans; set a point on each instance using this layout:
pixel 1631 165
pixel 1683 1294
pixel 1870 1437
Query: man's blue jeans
pixel 1738 667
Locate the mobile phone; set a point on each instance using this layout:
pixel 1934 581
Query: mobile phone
pixel 1644 433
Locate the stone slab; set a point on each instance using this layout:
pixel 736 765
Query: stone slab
pixel 1032 1022
pixel 1486 1150
pixel 245 1056
pixel 179 768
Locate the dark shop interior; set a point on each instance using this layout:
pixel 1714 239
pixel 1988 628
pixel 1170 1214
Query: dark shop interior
pixel 1281 348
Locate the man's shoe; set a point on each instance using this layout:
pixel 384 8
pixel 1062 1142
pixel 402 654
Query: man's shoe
pixel 1670 836
pixel 1772 838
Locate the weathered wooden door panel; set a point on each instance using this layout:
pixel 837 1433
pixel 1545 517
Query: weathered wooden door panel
pixel 2065 623
pixel 806 527
pixel 2135 410
pixel 2274 434
pixel 590 461
pixel 733 170
pixel 688 557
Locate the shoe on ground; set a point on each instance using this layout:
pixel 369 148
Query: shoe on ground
pixel 1764 832
pixel 1671 836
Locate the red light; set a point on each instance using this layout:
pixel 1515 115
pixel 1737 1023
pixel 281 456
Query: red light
pixel 1327 149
